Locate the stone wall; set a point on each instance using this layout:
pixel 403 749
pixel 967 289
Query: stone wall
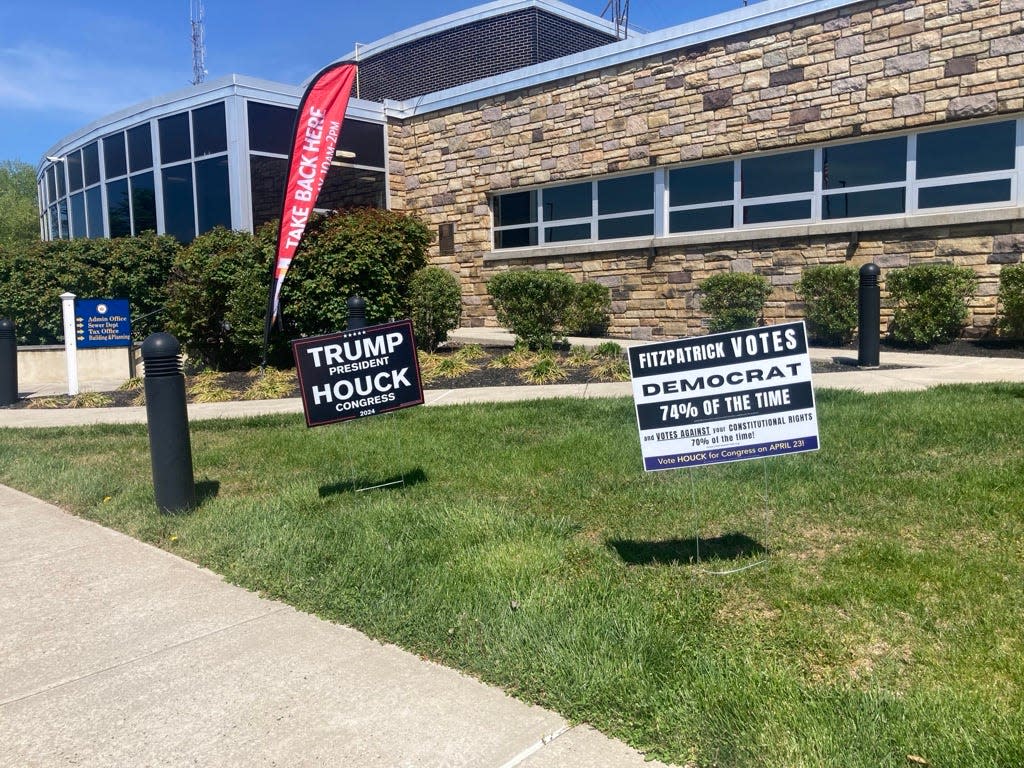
pixel 868 69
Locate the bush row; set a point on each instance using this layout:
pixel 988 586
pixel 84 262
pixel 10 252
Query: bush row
pixel 212 294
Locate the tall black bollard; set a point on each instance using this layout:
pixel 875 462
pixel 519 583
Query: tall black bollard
pixel 169 445
pixel 869 309
pixel 8 363
pixel 356 313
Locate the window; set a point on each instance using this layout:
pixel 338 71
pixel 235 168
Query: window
pixel 983 155
pixel 625 207
pixel 700 197
pixel 769 178
pixel 91 164
pixel 270 127
pixel 115 162
pixel 94 212
pixel 74 161
pixel 870 175
pixel 175 144
pixel 213 196
pixel 140 148
pixel 179 205
pixel 78 228
pixel 119 218
pixel 980 165
pixel 209 130
pixel 143 203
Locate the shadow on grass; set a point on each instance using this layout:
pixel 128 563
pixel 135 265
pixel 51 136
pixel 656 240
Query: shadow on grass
pixel 206 490
pixel 732 546
pixel 413 477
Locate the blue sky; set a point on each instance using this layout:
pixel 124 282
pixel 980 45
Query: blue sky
pixel 66 63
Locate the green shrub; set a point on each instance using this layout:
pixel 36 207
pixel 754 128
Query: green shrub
pixel 589 312
pixel 217 298
pixel 365 251
pixel 931 302
pixel 734 300
pixel 435 306
pixel 829 293
pixel 32 278
pixel 1011 301
pixel 531 303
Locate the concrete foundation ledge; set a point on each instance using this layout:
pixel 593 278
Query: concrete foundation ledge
pixel 47 364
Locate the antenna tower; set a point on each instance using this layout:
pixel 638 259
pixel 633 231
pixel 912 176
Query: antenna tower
pixel 197 15
pixel 620 16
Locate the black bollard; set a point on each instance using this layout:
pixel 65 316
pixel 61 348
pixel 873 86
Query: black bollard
pixel 8 363
pixel 356 313
pixel 167 417
pixel 869 309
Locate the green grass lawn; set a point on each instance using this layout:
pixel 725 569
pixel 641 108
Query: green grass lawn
pixel 528 548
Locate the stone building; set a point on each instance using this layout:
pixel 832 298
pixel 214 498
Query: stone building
pixel 773 137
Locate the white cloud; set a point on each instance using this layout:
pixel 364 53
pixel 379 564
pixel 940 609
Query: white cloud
pixel 39 78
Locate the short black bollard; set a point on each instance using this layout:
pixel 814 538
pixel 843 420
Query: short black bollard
pixel 356 313
pixel 170 447
pixel 8 363
pixel 869 309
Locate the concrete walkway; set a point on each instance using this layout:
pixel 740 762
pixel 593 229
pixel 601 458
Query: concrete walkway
pixel 114 653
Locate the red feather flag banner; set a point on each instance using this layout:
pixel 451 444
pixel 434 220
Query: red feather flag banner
pixel 317 129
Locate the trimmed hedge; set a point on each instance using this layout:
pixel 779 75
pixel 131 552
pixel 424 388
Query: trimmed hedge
pixel 931 302
pixel 829 293
pixel 734 300
pixel 32 278
pixel 588 314
pixel 1011 301
pixel 214 291
pixel 531 303
pixel 435 306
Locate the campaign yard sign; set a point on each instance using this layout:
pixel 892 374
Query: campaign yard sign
pixel 349 375
pixel 102 323
pixel 724 397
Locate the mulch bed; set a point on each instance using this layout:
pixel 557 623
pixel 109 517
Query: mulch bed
pixel 235 384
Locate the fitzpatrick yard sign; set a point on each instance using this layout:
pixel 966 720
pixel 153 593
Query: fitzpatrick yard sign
pixel 359 373
pixel 725 397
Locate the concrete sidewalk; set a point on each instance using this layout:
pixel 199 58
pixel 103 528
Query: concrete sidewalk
pixel 115 653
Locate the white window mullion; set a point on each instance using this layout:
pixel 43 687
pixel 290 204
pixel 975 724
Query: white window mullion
pixel 660 202
pixel 1018 177
pixel 912 173
pixel 737 195
pixel 819 185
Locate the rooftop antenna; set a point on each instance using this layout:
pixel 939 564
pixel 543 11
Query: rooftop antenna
pixel 620 16
pixel 197 14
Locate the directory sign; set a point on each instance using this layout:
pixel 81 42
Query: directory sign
pixel 724 397
pixel 102 323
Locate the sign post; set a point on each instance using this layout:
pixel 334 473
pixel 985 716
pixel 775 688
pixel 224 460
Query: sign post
pixel 67 305
pixel 364 372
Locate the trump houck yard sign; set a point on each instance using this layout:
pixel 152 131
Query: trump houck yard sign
pixel 724 397
pixel 358 373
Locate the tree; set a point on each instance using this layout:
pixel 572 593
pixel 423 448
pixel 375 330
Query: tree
pixel 19 216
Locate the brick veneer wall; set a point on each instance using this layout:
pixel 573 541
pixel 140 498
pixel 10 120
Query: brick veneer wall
pixel 867 69
pixel 473 51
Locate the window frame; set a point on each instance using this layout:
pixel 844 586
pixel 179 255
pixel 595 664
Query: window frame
pixel 910 186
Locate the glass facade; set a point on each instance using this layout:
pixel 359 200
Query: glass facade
pixel 198 166
pixel 968 167
pixel 357 177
